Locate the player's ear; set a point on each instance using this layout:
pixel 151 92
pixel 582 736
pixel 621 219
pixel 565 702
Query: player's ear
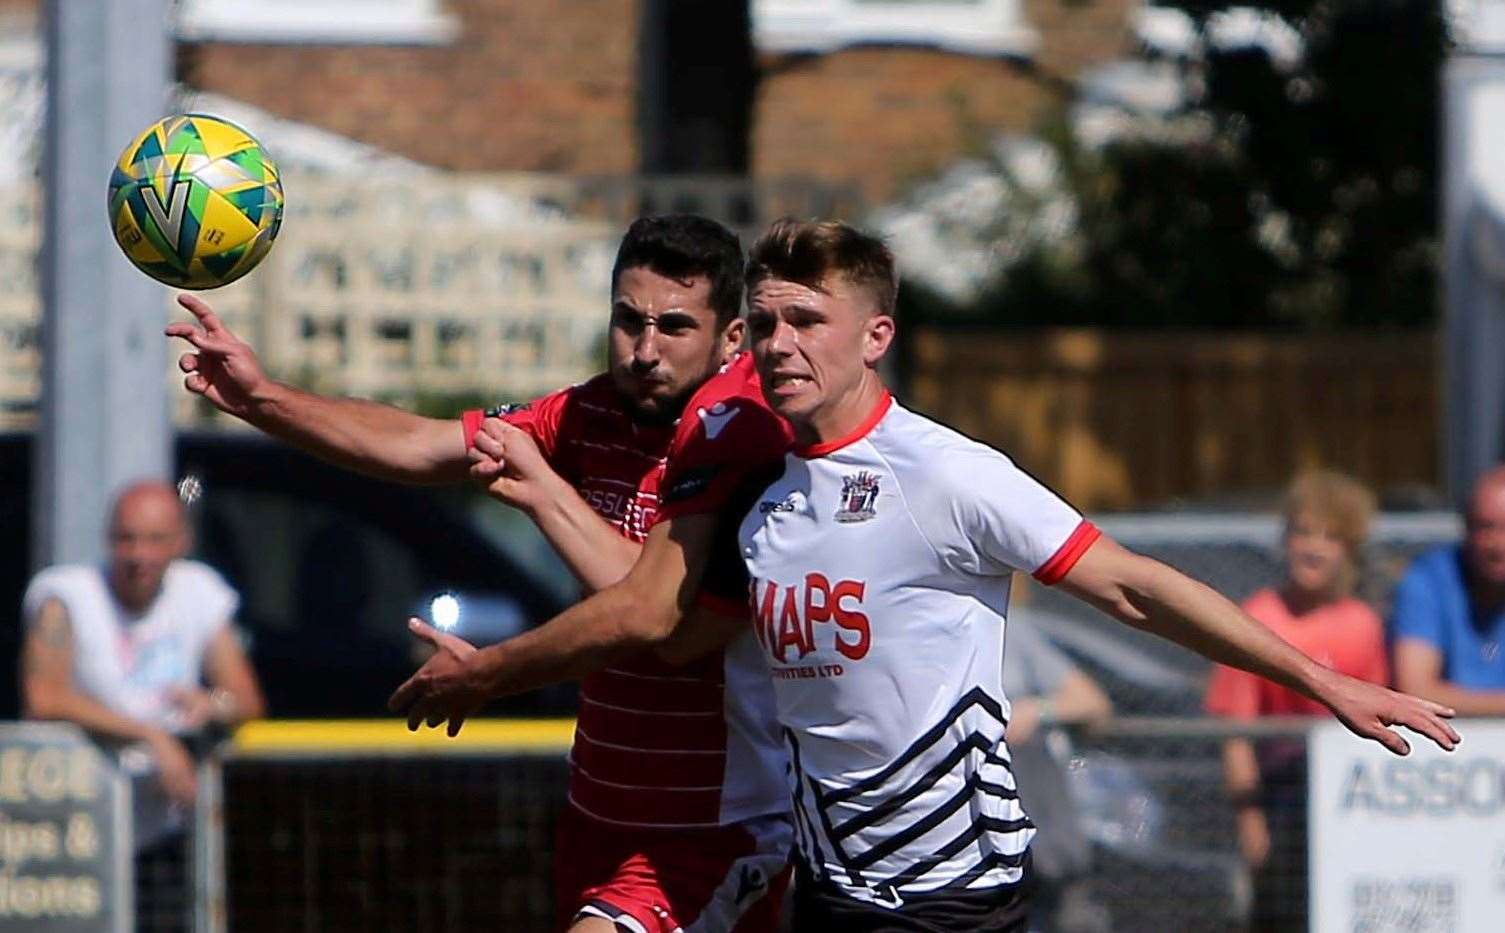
pixel 878 336
pixel 732 336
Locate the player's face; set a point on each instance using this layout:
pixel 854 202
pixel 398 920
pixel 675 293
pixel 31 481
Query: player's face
pixel 1485 540
pixel 663 341
pixel 1316 558
pixel 146 534
pixel 814 346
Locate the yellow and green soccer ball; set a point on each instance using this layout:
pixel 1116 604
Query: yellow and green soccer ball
pixel 195 202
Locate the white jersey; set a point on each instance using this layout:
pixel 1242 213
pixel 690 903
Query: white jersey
pixel 880 569
pixel 128 662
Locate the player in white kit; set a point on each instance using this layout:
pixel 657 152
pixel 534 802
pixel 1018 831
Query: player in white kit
pixel 880 563
pixel 880 559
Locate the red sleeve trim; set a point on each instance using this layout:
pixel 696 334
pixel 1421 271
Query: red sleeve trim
pixel 852 437
pixel 471 421
pixel 721 605
pixel 1052 571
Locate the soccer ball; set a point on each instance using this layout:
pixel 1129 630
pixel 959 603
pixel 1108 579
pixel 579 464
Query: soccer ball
pixel 195 202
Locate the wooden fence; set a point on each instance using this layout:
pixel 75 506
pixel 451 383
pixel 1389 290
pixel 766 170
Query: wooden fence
pixel 1116 420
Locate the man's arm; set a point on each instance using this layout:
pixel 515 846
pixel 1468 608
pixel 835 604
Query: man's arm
pixel 1076 701
pixel 47 690
pixel 367 437
pixel 1418 670
pixel 1241 777
pixel 236 694
pixel 47 693
pixel 508 464
pixel 640 611
pixel 1149 595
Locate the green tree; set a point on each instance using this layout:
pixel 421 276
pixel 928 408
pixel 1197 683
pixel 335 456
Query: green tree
pixel 1310 201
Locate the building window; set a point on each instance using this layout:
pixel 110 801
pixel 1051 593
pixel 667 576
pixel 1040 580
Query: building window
pixel 979 27
pixel 323 22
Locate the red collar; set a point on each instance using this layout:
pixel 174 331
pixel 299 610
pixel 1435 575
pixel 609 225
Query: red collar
pixel 856 434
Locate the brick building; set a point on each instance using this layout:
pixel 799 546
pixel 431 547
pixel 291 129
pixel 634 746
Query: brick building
pixel 840 90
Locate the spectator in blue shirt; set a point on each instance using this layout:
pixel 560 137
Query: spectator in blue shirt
pixel 1448 626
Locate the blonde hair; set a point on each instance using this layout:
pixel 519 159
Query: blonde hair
pixel 1343 505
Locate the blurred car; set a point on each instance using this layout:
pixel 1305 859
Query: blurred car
pixel 329 565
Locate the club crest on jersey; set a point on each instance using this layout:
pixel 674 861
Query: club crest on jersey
pixel 859 495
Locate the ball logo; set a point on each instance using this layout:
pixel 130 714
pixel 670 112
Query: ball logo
pixel 786 617
pixel 169 219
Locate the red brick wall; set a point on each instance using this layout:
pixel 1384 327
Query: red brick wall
pixel 526 86
pixel 885 117
pixel 551 87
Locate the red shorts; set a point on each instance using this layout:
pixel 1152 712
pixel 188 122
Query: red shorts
pixel 663 880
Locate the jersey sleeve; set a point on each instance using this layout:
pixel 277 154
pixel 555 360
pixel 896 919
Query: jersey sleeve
pixel 43 587
pixel 994 518
pixel 217 600
pixel 541 418
pixel 718 450
pixel 723 582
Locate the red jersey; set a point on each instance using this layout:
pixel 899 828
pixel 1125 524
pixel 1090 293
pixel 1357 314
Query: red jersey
pixel 656 744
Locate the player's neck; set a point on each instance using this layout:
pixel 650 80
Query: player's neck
pixel 846 416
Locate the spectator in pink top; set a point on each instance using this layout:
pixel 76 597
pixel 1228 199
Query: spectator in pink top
pixel 1327 518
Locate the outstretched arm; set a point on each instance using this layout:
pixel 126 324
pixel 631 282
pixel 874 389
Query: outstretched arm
pixel 640 611
pixel 367 437
pixel 1149 595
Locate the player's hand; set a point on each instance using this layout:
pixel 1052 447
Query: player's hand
pixel 175 768
pixel 506 461
pixel 445 688
pixel 195 707
pixel 1370 711
pixel 488 453
pixel 222 367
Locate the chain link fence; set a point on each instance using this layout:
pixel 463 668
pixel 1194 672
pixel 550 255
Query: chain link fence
pixel 1149 787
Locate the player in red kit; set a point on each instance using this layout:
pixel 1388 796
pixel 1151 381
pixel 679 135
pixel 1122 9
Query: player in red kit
pixel 678 810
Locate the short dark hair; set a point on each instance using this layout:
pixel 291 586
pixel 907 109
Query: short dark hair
pixel 681 246
pixel 808 252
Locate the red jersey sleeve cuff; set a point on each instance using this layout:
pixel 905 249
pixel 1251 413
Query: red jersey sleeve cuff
pixel 1054 570
pixel 721 605
pixel 471 421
